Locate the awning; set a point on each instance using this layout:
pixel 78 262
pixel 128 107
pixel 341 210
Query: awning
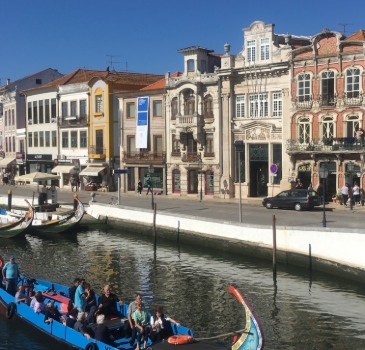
pixel 63 169
pixel 5 162
pixel 92 171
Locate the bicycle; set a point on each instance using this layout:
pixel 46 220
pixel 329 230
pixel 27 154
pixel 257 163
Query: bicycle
pixel 114 201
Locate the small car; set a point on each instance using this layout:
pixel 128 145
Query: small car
pixel 297 199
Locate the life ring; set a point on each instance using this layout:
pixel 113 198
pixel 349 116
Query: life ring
pixel 180 339
pixel 10 310
pixel 91 346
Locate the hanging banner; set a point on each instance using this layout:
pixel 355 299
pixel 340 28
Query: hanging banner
pixel 142 122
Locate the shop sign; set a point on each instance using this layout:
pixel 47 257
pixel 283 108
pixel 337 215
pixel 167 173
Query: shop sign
pixel 305 167
pixel 19 155
pixel 38 157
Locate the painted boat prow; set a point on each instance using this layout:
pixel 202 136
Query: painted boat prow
pixel 253 336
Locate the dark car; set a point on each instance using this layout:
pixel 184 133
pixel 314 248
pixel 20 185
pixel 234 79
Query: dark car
pixel 297 199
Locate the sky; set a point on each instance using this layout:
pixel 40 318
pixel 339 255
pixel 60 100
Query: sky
pixel 144 35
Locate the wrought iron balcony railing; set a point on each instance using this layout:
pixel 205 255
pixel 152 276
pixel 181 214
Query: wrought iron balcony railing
pixel 98 150
pixel 209 154
pixel 327 100
pixel 190 157
pixel 77 120
pixel 144 157
pixel 303 102
pixel 353 98
pixel 327 145
pixel 175 154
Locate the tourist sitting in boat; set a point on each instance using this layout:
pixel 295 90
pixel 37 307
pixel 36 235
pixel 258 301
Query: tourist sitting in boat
pixel 34 300
pixel 52 313
pixel 107 303
pixel 80 297
pixel 140 317
pixel 39 305
pixel 160 325
pixel 102 332
pixel 90 303
pixel 129 328
pixel 72 291
pixel 81 327
pixel 72 318
pixel 21 297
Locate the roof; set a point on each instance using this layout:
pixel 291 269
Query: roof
pixel 193 48
pixel 77 76
pixel 215 54
pixel 360 35
pixel 160 84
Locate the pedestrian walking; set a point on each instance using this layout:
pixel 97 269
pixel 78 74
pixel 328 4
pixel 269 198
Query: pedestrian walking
pixel 149 186
pixel 139 187
pixel 345 193
pixel 10 275
pixel 356 193
pixel 72 182
pixel 5 178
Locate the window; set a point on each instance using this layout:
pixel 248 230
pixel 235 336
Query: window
pixel 35 113
pixel 240 169
pixel 6 118
pixel 48 139
pixel 176 183
pixel 265 49
pixel 352 82
pixel 190 105
pixel 209 144
pixel 277 104
pixel 41 139
pixel 30 139
pixel 240 106
pixel 65 139
pixel 352 126
pixel 40 112
pixel 327 127
pixel 157 144
pixel 277 151
pixel 13 143
pixel 98 103
pixel 131 146
pixel 203 66
pixel 47 119
pixel 13 117
pixel 208 106
pixel 54 138
pixel 21 146
pixel 1 139
pixel 157 108
pixel 73 139
pixel 6 145
pixel 53 110
pixel 99 138
pixel 38 81
pixel 251 50
pixel 175 145
pixel 83 108
pixel 259 106
pixel 64 109
pixel 304 130
pixel 174 108
pixel 192 181
pixel 190 67
pixel 131 110
pixel 73 109
pixel 304 87
pixel 36 139
pixel 83 139
pixel 209 182
pixel 328 88
pixel 29 113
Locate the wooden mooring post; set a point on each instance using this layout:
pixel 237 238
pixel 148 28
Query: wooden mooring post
pixel 310 257
pixel 154 225
pixel 274 245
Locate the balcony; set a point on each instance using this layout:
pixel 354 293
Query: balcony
pixel 328 100
pixel 303 102
pixel 209 155
pixel 327 145
pixel 353 98
pixel 189 121
pixel 77 120
pixel 190 157
pixel 97 152
pixel 144 157
pixel 175 154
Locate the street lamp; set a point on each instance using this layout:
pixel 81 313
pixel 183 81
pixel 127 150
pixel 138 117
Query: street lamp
pixel 323 173
pixel 200 165
pixel 239 148
pixel 350 168
pixel 150 170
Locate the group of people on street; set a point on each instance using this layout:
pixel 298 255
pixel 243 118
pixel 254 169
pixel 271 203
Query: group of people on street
pixel 7 178
pixel 140 186
pixel 75 183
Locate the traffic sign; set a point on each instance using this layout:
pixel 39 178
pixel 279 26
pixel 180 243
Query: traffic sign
pixel 274 168
pixel 122 171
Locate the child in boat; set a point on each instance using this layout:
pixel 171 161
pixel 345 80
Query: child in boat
pixel 39 305
pixel 160 327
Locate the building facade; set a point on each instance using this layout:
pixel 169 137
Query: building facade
pixel 327 113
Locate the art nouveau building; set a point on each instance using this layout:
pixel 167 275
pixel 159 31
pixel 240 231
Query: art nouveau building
pixel 327 112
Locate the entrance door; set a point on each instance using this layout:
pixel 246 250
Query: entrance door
pixel 305 174
pixel 259 170
pixel 192 145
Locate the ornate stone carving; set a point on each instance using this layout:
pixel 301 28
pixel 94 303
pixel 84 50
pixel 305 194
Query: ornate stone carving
pixel 285 92
pixel 258 134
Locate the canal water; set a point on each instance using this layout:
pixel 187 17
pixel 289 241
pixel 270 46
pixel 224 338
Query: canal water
pixel 300 311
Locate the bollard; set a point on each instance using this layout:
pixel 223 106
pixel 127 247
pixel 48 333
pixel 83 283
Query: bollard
pixel 274 246
pixel 9 199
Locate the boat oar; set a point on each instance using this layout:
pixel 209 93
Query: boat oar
pixel 224 335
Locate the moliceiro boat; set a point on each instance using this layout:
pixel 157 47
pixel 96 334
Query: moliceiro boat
pixel 16 226
pixel 65 223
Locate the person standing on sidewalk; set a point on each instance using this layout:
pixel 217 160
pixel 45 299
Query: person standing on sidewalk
pixel 356 193
pixel 345 193
pixel 149 186
pixel 139 187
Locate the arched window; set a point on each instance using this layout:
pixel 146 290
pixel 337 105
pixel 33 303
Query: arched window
pixel 327 127
pixel 304 130
pixel 193 181
pixel 190 105
pixel 352 82
pixel 352 125
pixel 304 90
pixel 209 182
pixel 176 184
pixel 208 106
pixel 174 108
pixel 328 88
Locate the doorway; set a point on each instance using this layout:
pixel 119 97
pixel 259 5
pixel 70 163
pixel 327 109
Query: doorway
pixel 259 170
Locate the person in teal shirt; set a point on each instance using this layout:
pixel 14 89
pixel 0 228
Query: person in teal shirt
pixel 80 297
pixel 140 317
pixel 10 275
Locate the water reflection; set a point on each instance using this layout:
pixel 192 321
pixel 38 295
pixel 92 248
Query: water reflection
pixel 191 283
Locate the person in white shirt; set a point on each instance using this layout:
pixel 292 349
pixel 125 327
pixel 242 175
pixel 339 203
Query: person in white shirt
pixel 356 193
pixel 345 193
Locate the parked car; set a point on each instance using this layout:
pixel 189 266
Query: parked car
pixel 297 199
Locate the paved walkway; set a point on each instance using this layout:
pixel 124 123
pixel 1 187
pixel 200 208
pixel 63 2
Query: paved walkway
pixel 222 209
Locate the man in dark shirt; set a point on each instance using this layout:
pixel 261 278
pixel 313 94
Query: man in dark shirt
pixel 73 289
pixel 107 302
pixel 102 332
pixel 81 327
pixel 71 320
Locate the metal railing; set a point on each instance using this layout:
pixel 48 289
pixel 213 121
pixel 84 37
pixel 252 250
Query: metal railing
pixel 353 98
pixel 190 157
pixel 97 150
pixel 79 120
pixel 175 154
pixel 144 156
pixel 328 100
pixel 209 154
pixel 328 145
pixel 303 102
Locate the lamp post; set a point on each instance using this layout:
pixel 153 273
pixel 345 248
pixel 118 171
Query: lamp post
pixel 200 164
pixel 150 170
pixel 239 148
pixel 350 168
pixel 323 173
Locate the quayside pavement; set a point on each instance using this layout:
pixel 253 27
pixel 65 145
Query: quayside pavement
pixel 253 213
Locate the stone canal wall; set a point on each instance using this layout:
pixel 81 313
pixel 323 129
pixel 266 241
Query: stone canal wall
pixel 336 251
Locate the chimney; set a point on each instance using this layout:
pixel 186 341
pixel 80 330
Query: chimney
pixel 7 81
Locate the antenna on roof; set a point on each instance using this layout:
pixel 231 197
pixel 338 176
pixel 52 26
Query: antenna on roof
pixel 344 25
pixel 111 62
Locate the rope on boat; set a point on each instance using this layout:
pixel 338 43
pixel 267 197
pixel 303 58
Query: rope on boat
pixel 223 335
